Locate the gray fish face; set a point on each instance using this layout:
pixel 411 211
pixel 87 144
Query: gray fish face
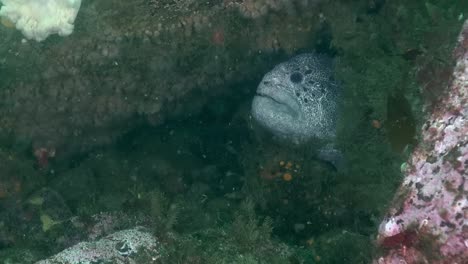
pixel 297 100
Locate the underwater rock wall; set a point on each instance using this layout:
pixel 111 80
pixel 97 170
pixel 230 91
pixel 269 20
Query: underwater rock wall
pixel 258 8
pixel 428 222
pixel 143 59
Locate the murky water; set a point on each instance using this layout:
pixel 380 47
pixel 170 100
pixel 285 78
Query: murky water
pixel 128 129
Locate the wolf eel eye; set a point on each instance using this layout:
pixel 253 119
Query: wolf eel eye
pixel 296 77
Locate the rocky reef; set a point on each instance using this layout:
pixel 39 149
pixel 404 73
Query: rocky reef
pixel 130 63
pixel 428 222
pixel 141 119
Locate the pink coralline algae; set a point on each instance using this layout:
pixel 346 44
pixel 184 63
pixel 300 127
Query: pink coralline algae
pixel 428 222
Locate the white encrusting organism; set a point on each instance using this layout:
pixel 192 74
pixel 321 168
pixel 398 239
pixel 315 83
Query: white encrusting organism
pixel 37 19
